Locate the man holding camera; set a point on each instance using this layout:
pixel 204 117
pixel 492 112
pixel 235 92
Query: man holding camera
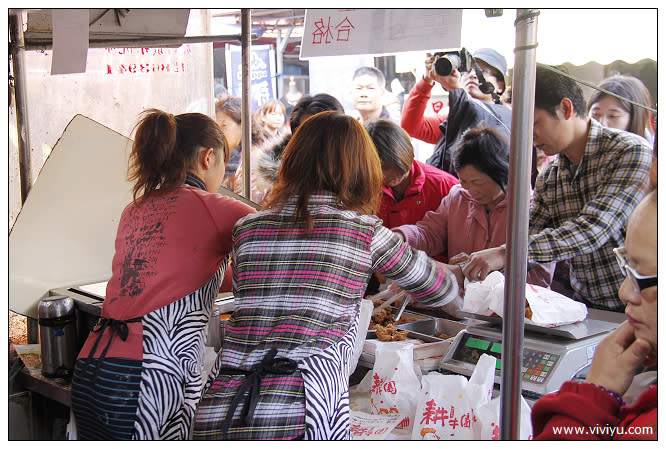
pixel 472 102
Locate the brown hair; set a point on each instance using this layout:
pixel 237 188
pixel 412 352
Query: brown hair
pixel 232 107
pixel 272 105
pixel 393 145
pixel 329 152
pixel 631 88
pixel 166 146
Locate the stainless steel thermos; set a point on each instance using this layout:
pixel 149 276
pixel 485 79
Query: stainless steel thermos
pixel 57 335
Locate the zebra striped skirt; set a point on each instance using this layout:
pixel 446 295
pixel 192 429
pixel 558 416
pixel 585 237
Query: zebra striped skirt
pixel 311 403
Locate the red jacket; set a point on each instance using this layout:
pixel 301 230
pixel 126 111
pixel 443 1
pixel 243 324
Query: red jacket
pixel 413 121
pixel 428 185
pixel 582 411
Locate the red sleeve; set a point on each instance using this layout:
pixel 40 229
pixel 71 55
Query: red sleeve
pixel 574 413
pixel 227 284
pixel 413 120
pixel 227 212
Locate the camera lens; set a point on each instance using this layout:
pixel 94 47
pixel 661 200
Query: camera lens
pixel 445 64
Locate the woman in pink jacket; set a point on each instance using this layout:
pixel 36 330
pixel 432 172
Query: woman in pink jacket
pixel 473 215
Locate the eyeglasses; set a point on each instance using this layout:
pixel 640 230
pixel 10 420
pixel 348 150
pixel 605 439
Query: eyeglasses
pixel 640 282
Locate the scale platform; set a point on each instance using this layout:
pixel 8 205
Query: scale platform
pixel 583 329
pixel 551 355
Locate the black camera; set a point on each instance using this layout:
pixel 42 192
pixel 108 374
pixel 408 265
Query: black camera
pixel 447 62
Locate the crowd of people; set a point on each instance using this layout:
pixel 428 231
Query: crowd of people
pixel 341 198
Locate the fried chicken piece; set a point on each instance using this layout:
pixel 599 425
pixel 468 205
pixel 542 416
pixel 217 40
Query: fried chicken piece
pixel 390 333
pixel 528 311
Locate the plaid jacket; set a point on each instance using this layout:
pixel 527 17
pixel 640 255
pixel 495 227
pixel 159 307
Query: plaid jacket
pixel 582 215
pixel 301 294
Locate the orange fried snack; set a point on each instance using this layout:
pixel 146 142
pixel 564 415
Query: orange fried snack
pixel 390 333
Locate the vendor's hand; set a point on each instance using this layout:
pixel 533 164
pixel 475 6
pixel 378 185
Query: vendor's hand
pixel 616 359
pixel 483 262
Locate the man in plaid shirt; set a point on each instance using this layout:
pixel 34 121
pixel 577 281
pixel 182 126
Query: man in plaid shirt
pixel 583 198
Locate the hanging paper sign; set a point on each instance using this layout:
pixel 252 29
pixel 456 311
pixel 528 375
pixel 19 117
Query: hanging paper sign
pixel 334 32
pixel 262 73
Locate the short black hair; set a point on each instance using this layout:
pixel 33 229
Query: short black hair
pixel 551 88
pixel 372 71
pixel 311 105
pixel 487 150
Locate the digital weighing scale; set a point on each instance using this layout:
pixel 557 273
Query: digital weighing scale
pixel 551 356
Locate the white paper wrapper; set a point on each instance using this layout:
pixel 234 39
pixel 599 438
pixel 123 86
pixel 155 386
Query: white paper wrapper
pixel 365 426
pixel 549 308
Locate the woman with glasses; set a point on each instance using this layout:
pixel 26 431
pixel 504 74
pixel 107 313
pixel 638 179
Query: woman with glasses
pixel 604 402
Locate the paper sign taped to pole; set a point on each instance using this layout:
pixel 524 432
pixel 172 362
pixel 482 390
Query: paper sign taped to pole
pixel 336 32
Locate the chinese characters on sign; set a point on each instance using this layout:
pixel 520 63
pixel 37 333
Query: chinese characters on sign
pixel 323 34
pixel 334 32
pixel 147 60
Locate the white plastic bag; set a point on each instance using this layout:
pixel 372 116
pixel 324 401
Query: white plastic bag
pixel 478 294
pixel 395 382
pixel 447 403
pixel 549 308
pixel 488 419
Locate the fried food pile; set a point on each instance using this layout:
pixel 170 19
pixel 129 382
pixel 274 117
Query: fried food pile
pixel 389 333
pixel 444 336
pixel 386 316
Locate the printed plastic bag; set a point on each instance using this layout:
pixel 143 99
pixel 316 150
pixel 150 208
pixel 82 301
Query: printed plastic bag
pixel 395 382
pixel 447 403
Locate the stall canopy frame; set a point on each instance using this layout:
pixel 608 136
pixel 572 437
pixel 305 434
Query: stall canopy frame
pixel 18 44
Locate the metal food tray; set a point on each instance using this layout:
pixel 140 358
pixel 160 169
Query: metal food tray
pixel 416 316
pixel 426 355
pixel 434 327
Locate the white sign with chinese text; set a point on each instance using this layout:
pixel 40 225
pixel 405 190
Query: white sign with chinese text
pixel 334 32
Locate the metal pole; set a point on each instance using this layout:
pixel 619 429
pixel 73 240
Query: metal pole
pixel 280 46
pixel 46 44
pixel 20 94
pixel 246 52
pixel 524 74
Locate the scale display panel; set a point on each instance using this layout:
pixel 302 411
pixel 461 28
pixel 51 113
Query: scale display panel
pixel 537 365
pixel 548 361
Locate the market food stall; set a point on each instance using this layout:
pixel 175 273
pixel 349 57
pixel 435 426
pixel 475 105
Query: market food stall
pixel 75 225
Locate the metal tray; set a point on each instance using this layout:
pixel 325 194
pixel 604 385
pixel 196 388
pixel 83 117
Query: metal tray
pixel 434 327
pixel 372 335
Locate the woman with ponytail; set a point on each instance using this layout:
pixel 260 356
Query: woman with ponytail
pixel 139 374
